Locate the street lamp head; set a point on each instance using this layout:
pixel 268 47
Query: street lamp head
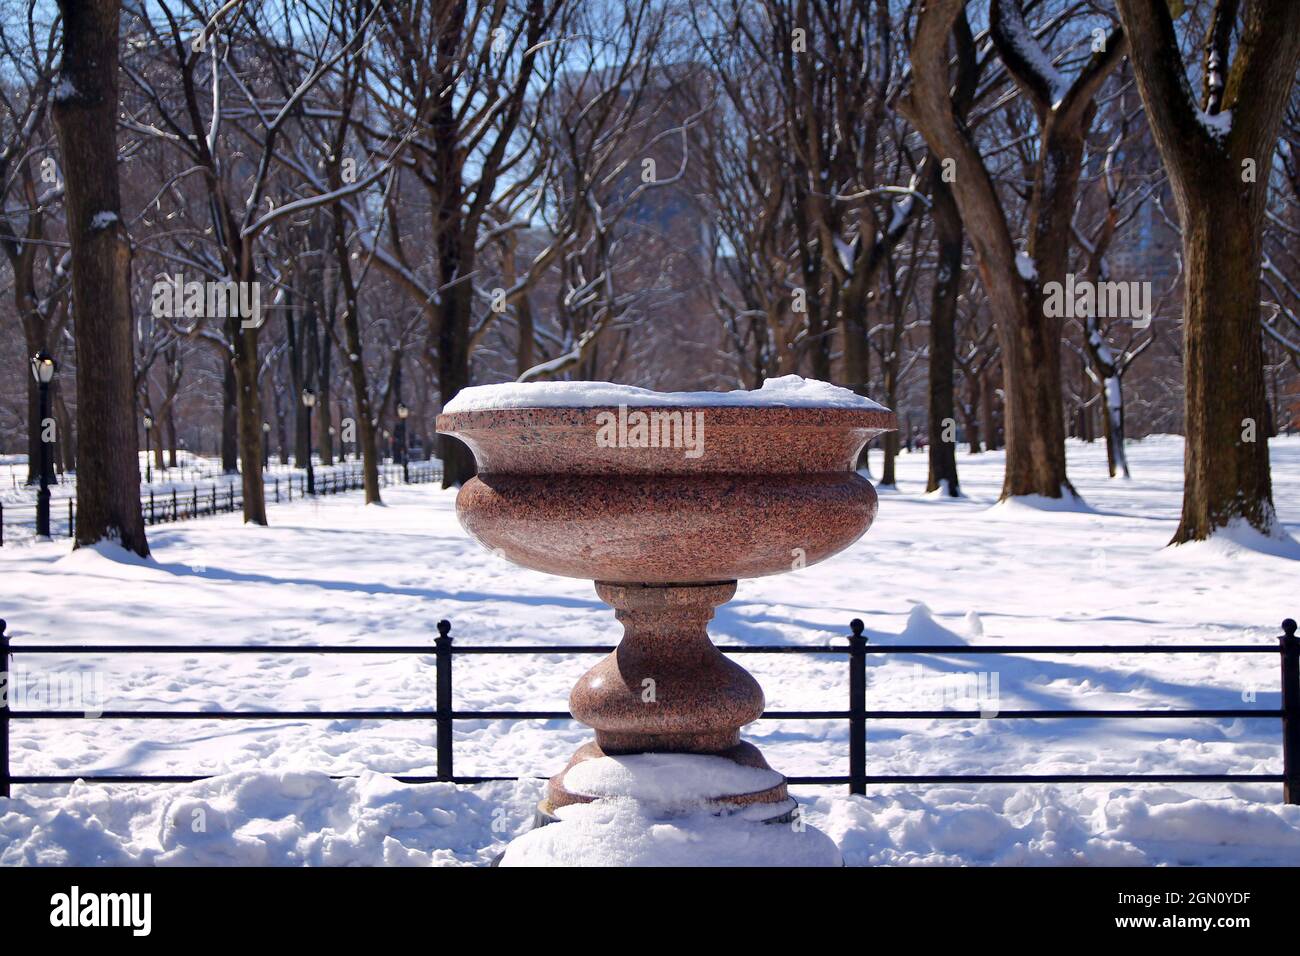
pixel 43 367
pixel 308 397
pixel 266 428
pixel 402 410
pixel 148 421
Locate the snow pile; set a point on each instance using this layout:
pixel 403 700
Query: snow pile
pixel 265 819
pixel 662 810
pixel 1068 503
pixel 629 833
pixel 666 779
pixel 922 628
pixel 307 819
pixel 1054 826
pixel 788 391
pixel 1238 539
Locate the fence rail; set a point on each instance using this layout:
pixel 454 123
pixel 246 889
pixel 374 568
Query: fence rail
pixel 161 506
pixel 444 715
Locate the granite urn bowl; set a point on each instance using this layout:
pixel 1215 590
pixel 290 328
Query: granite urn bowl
pixel 665 501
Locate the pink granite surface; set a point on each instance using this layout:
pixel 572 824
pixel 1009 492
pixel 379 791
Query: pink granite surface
pixel 665 532
pixel 772 489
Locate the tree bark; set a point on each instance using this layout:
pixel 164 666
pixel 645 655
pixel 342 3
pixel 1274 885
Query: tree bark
pixel 988 411
pixel 365 416
pixel 1033 416
pixel 943 340
pixel 85 117
pixel 229 420
pixel 319 342
pixel 1226 464
pixel 250 425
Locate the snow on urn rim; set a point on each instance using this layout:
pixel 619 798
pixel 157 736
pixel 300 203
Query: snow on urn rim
pixel 682 434
pixel 787 391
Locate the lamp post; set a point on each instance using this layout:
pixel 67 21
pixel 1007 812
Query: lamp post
pixel 266 445
pixel 43 369
pixel 309 400
pixel 402 412
pixel 148 460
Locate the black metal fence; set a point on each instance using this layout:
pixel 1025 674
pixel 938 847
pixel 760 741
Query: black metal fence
pixel 182 504
pixel 857 714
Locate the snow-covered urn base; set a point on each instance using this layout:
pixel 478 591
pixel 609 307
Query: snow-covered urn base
pixel 627 833
pixel 672 810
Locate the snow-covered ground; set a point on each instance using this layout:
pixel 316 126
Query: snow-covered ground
pixel 932 570
pixel 192 473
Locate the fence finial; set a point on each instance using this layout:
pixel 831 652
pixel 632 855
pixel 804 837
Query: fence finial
pixel 856 626
pixel 1288 627
pixel 444 628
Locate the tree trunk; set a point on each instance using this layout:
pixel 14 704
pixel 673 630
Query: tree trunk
pixel 85 116
pixel 229 420
pixel 1222 210
pixel 67 443
pixel 971 413
pixel 1110 387
pixel 453 375
pixel 171 436
pixel 1033 417
pixel 33 423
pixel 1225 464
pixel 320 345
pixel 988 401
pixel 943 341
pixel 250 425
pixel 365 416
pixel 524 348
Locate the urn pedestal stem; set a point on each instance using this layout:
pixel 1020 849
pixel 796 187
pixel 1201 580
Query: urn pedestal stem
pixel 666 688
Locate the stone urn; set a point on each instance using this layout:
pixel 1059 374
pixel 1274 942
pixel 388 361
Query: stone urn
pixel 665 500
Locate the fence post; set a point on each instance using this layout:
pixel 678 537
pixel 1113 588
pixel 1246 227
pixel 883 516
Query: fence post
pixel 151 517
pixel 1290 713
pixel 4 712
pixel 442 654
pixel 194 507
pixel 72 520
pixel 277 491
pixel 176 510
pixel 857 709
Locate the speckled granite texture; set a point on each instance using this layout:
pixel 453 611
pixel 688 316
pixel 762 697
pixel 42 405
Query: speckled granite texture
pixel 733 492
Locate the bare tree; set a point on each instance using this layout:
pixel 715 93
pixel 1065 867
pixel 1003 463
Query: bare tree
pixel 240 216
pixel 1014 278
pixel 30 194
pixel 85 114
pixel 1211 145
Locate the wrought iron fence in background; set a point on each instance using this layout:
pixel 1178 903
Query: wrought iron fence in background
pixel 201 500
pixel 858 713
